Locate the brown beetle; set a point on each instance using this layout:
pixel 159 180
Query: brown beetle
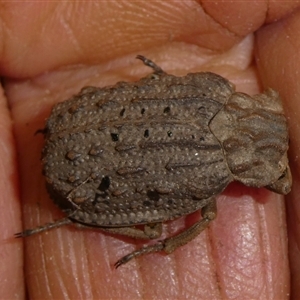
pixel 157 149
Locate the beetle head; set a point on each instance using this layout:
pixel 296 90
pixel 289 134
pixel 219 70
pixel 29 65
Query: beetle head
pixel 254 137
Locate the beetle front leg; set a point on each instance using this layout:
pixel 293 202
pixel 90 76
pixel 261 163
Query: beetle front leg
pixel 147 62
pixel 168 245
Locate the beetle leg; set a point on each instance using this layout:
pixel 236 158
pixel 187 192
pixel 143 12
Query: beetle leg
pixel 47 226
pixel 168 245
pixel 69 195
pixel 157 70
pixel 151 231
pixel 208 212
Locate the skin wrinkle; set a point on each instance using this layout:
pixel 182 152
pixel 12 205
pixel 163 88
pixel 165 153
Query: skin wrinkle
pixel 159 18
pixel 214 262
pixel 90 262
pixel 174 263
pixel 216 21
pixel 81 263
pixel 88 284
pixel 297 219
pixel 73 258
pixel 93 285
pixel 266 251
pixel 265 242
pixel 175 271
pixel 234 277
pixel 121 274
pixel 70 33
pixel 208 47
pixel 167 15
pixel 263 19
pixel 110 40
pixel 43 260
pixel 283 216
pixel 261 259
pixel 62 283
pixel 3 31
pixel 142 264
pixel 267 11
pixel 141 282
pixel 175 278
pixel 103 243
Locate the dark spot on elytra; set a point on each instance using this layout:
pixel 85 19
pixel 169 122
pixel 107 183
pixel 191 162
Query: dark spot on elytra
pixel 146 203
pixel 114 137
pixel 153 195
pixel 122 112
pixel 167 110
pixel 170 201
pixel 146 133
pixel 104 184
pixel 143 111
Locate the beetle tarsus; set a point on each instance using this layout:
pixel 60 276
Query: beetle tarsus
pixel 45 227
pixel 151 64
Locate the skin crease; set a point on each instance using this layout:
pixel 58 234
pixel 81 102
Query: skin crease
pixel 244 252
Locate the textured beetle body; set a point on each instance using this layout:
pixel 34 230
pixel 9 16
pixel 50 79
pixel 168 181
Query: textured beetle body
pixel 160 148
pixel 145 150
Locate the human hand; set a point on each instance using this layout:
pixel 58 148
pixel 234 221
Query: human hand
pixel 244 252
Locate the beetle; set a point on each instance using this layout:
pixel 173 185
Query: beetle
pixel 145 152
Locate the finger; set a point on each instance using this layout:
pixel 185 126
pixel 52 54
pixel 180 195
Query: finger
pixel 59 254
pixel 37 38
pixel 279 62
pixel 11 271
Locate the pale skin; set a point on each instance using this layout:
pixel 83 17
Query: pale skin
pixel 244 252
